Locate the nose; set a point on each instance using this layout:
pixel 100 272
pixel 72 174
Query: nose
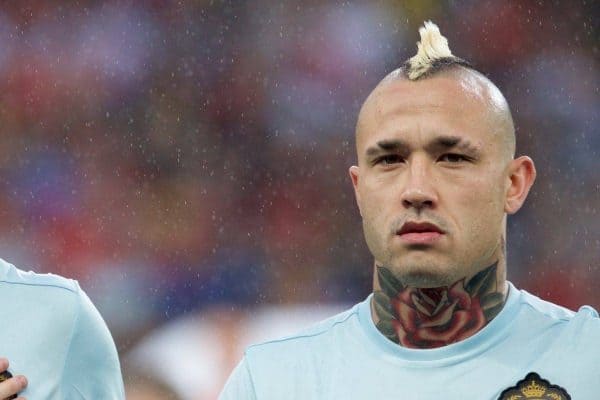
pixel 419 191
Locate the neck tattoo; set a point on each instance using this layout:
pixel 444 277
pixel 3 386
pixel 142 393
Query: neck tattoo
pixel 435 317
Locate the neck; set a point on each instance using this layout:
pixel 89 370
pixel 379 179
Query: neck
pixel 434 317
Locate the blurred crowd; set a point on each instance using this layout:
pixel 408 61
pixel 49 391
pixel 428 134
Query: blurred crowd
pixel 183 157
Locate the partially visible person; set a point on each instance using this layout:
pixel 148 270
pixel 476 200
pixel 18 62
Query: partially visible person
pixel 56 338
pixel 436 180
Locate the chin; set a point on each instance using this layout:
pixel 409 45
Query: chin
pixel 424 275
pixel 426 279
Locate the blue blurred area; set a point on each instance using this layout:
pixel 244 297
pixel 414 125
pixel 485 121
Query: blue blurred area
pixel 177 155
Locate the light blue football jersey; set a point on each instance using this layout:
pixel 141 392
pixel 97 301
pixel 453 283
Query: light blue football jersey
pixel 52 333
pixel 532 348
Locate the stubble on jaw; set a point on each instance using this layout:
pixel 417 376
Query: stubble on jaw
pixel 423 277
pixel 423 272
pixel 418 267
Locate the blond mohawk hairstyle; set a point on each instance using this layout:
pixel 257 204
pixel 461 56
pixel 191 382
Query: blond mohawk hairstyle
pixel 433 53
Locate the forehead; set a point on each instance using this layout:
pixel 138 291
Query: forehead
pixel 445 104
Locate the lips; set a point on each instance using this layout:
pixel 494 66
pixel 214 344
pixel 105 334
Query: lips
pixel 420 233
pixel 419 227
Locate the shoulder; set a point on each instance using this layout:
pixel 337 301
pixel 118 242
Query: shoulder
pixel 544 308
pixel 554 311
pixel 314 351
pixel 13 276
pixel 38 296
pixel 337 327
pixel 583 321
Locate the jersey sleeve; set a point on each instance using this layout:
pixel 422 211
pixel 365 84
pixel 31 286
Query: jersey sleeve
pixel 239 386
pixel 92 370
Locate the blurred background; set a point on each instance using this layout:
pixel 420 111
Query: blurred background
pixel 187 161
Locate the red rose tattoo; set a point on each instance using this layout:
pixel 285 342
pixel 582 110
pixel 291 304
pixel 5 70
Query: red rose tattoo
pixel 428 318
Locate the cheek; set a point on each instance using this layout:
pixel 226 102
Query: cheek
pixel 371 208
pixel 377 200
pixel 481 209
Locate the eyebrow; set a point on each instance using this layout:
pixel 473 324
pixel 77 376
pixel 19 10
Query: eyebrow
pixel 439 143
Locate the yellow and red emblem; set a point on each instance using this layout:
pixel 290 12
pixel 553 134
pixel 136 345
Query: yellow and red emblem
pixel 534 387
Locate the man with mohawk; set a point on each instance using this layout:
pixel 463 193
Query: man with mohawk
pixel 436 178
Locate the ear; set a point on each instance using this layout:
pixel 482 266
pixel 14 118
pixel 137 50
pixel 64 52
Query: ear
pixel 354 173
pixel 521 175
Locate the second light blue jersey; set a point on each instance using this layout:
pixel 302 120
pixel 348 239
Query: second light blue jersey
pixel 52 334
pixel 532 347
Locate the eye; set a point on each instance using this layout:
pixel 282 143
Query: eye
pixel 453 158
pixel 389 159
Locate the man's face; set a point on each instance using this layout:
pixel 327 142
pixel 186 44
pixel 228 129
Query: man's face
pixel 432 177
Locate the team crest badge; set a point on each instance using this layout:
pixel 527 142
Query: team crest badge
pixel 534 387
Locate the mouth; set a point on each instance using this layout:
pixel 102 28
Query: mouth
pixel 422 233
